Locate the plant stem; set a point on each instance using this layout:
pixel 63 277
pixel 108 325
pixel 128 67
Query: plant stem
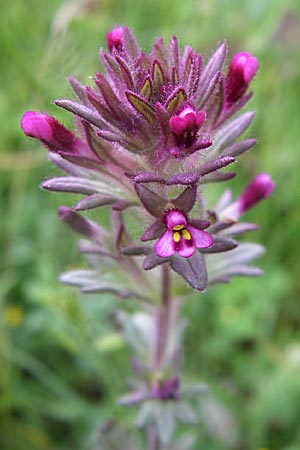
pixel 163 319
pixel 153 440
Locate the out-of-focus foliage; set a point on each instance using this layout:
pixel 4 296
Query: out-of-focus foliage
pixel 62 365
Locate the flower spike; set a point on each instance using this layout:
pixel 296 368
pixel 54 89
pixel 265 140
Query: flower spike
pixel 149 132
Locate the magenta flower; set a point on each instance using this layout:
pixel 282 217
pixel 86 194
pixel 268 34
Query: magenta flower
pixel 114 39
pixel 165 389
pixel 54 135
pixel 242 69
pixel 185 126
pixel 47 129
pixel 180 236
pixel 260 187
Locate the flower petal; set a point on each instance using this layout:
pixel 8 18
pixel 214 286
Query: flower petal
pixel 187 248
pixel 201 239
pixel 164 247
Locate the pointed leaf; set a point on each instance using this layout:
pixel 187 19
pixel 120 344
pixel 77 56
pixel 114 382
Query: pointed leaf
pixel 82 225
pixel 200 224
pixel 157 76
pixel 188 178
pixel 213 66
pixel 233 110
pixel 187 61
pixel 186 414
pixel 81 111
pixel 247 251
pixel 158 52
pixel 186 200
pixel 152 261
pixel 239 147
pixel 154 231
pixel 166 422
pixel 245 271
pixel 141 106
pixel 151 201
pixel 174 76
pixel 213 87
pixel 99 104
pixel 220 244
pixel 216 164
pixel 146 90
pixel 192 269
pixel 194 75
pixel 101 148
pixel 226 135
pixel 94 201
pixel 120 205
pixel 126 74
pixel 217 177
pixel 174 53
pixel 118 108
pixel 147 177
pixel 163 118
pixel 79 90
pixel 175 100
pixel 126 141
pixel 131 45
pixel 132 398
pixel 137 250
pixel 240 228
pixel 90 162
pixel 81 186
pixel 68 167
pixel 145 414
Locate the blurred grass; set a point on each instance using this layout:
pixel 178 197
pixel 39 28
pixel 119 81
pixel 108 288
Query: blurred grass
pixel 61 366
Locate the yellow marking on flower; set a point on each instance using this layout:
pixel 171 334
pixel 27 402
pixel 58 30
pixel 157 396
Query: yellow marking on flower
pixel 178 227
pixel 186 234
pixel 176 236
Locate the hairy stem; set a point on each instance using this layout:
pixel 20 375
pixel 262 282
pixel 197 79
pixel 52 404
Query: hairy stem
pixel 163 319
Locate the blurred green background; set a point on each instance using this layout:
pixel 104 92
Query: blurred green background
pixel 61 364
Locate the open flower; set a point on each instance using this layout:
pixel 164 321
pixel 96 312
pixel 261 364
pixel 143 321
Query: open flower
pixel 180 236
pixel 186 125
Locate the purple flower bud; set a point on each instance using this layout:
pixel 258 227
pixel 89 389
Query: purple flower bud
pixel 165 390
pixel 48 130
pixel 242 69
pixel 260 187
pixel 114 39
pixel 180 237
pixel 185 126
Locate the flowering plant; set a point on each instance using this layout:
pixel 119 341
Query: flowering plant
pixel 150 133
